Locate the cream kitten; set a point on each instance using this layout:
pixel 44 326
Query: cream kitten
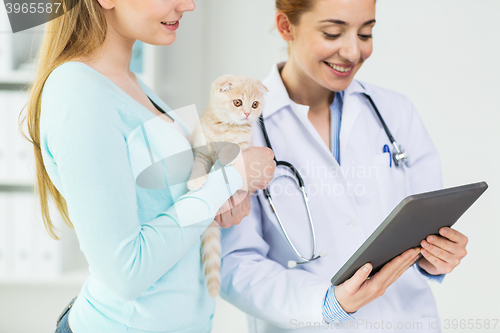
pixel 235 103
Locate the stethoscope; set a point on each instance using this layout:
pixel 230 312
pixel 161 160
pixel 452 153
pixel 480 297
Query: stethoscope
pixel 400 156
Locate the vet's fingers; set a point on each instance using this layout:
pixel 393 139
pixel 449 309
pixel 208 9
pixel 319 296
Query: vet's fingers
pixel 243 209
pixel 352 285
pixel 394 268
pixel 231 202
pixel 226 219
pixel 440 253
pixel 403 266
pixel 454 235
pixel 399 262
pixel 426 266
pixel 442 242
pixel 439 264
pixel 218 218
pixel 225 207
pixel 238 197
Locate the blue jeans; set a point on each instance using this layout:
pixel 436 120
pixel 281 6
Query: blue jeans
pixel 62 322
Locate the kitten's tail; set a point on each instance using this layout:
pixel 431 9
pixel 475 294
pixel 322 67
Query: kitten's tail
pixel 210 257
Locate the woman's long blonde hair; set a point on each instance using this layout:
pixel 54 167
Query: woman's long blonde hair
pixel 77 33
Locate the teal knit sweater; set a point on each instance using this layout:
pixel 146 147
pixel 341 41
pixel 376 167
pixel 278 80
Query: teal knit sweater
pixel 141 239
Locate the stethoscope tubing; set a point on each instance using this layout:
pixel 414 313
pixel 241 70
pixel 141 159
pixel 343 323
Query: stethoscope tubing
pixel 301 186
pixel 398 156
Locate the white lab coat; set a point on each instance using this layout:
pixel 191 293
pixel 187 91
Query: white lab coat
pixel 347 203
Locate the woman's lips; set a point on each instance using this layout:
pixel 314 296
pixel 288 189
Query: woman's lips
pixel 172 26
pixel 340 69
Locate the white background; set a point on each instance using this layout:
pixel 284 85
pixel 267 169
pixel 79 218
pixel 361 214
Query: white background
pixel 442 54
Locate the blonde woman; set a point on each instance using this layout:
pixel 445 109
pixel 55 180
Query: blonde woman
pixel 142 245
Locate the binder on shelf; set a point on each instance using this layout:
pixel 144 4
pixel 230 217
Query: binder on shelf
pixel 4 236
pixel 48 254
pixel 22 226
pixel 4 137
pixel 23 151
pixel 8 145
pixel 16 153
pixel 6 47
pixel 35 255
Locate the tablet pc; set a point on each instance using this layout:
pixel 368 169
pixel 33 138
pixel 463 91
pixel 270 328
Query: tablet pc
pixel 413 219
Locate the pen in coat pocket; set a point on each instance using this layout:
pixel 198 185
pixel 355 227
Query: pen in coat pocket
pixel 387 150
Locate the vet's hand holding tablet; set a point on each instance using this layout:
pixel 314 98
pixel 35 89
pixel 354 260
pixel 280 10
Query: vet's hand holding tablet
pixel 415 218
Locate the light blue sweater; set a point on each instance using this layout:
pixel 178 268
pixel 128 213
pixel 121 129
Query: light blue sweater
pixel 142 245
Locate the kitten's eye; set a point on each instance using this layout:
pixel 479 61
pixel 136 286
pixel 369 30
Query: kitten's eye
pixel 238 103
pixel 255 105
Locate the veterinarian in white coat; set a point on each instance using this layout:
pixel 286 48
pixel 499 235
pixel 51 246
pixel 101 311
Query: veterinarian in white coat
pixel 348 200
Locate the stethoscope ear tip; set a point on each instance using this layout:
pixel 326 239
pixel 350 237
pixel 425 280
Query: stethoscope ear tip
pixel 323 253
pixel 292 264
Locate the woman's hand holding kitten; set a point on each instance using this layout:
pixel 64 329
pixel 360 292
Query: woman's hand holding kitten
pixel 258 169
pixel 253 159
pixel 227 216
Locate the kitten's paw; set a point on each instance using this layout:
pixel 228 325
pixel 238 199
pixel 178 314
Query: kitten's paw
pixel 197 183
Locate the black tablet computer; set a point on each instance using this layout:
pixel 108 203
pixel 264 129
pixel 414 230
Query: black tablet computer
pixel 413 219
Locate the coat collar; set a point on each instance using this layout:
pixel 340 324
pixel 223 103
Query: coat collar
pixel 277 98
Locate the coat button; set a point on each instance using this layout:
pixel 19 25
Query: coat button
pixel 353 223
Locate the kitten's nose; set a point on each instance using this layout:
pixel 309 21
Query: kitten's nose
pixel 246 114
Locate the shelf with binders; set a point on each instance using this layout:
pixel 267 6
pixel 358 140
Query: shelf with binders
pixel 28 255
pixel 142 64
pixel 17 56
pixel 16 80
pixel 16 153
pixel 17 169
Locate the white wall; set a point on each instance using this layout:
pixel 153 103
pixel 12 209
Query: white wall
pixel 442 54
pixel 219 37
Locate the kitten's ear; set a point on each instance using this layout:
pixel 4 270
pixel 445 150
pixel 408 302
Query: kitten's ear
pixel 225 86
pixel 262 88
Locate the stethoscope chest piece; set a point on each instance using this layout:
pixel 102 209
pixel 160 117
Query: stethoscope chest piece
pixel 400 156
